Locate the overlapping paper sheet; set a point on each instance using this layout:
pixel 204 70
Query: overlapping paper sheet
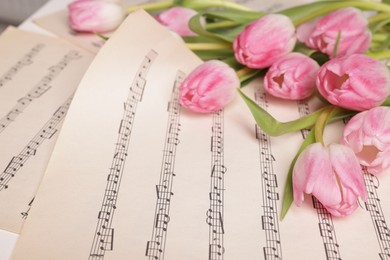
pixel 136 176
pixel 38 76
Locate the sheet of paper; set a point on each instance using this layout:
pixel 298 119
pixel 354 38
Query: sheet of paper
pixel 58 24
pixel 38 76
pixel 135 176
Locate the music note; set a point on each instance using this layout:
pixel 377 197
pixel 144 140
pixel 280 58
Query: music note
pixel 383 231
pixel 162 192
pixel 104 215
pixel 106 239
pixel 270 253
pixel 153 249
pixel 326 230
pixel 331 250
pixel 162 221
pixel 215 249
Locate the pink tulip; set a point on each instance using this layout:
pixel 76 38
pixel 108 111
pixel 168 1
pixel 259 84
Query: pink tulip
pixel 292 77
pixel 355 82
pixel 264 41
pixel 332 174
pixel 368 134
pixel 321 34
pixel 177 19
pixel 209 87
pixel 95 15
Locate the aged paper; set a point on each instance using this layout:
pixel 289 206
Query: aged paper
pixel 57 23
pixel 38 76
pixel 136 176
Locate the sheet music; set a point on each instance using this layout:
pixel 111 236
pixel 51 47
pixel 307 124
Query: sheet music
pixel 38 76
pixel 135 176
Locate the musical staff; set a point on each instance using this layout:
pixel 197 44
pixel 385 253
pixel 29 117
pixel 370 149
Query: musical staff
pixel 24 61
pixel 104 235
pixel 269 219
pixel 325 221
pixel 46 132
pixel 155 248
pixel 373 206
pixel 39 89
pixel 215 213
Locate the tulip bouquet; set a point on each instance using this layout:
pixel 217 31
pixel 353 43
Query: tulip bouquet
pixel 335 50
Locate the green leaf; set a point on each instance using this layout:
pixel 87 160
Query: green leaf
pixel 198 39
pixel 272 126
pixel 298 12
pixel 234 15
pixel 197 27
pixel 387 102
pixel 213 55
pixel 275 128
pixel 303 13
pixel 384 45
pixel 231 34
pixel 249 77
pixel 302 48
pixel 319 57
pixel 204 4
pixel 288 194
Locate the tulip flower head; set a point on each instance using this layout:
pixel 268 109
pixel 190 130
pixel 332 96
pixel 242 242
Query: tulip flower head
pixel 264 41
pixel 322 33
pixel 177 19
pixel 209 87
pixel 95 15
pixel 292 77
pixel 355 82
pixel 332 174
pixel 368 134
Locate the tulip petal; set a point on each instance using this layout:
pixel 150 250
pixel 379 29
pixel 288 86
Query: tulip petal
pixel 313 174
pixel 348 170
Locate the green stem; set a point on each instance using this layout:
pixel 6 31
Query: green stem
pixel 203 46
pixel 321 123
pixel 336 46
pixel 381 7
pixel 151 6
pixel 379 37
pixel 379 55
pixel 379 17
pixel 243 72
pixel 213 3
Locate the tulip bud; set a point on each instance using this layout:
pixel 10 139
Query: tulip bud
pixel 332 174
pixel 368 134
pixel 177 19
pixel 95 15
pixel 209 87
pixel 355 82
pixel 264 41
pixel 322 33
pixel 292 77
